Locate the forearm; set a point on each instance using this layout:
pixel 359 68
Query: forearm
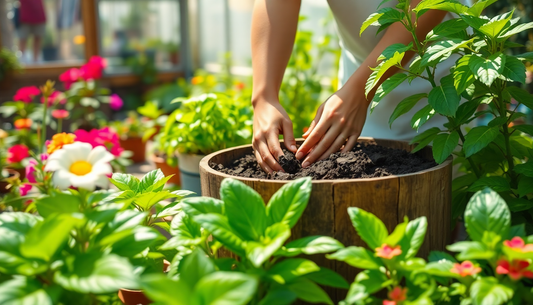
pixel 274 25
pixel 396 33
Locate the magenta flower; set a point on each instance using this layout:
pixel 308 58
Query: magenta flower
pixel 93 69
pixel 24 189
pixel 69 77
pixel 60 114
pixel 115 102
pixel 26 94
pixel 55 97
pixel 103 137
pixel 17 153
pixel 30 170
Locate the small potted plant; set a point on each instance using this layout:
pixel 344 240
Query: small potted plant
pixel 130 132
pixel 6 174
pixel 159 159
pixel 202 125
pixel 8 65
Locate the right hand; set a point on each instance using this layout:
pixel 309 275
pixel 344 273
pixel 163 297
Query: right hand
pixel 271 120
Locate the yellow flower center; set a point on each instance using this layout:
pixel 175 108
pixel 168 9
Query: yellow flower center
pixel 81 168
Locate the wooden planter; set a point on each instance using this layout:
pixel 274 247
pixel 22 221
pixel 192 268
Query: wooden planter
pixel 426 193
pixel 136 146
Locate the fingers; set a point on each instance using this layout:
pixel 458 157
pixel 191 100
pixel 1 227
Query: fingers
pixel 335 147
pixel 351 143
pixel 322 146
pixel 315 121
pixel 261 163
pixel 314 137
pixel 266 155
pixel 288 136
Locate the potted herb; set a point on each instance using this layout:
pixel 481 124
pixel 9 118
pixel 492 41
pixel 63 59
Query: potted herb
pixel 167 164
pixel 173 51
pixel 9 64
pixel 130 132
pixel 202 125
pixel 498 155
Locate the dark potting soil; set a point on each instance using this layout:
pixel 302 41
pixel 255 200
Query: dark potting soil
pixel 364 161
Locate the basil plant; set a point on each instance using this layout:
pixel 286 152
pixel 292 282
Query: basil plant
pixel 258 265
pixel 486 77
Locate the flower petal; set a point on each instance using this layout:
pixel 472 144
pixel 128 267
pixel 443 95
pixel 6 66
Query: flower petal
pixel 85 182
pixel 62 179
pixel 99 154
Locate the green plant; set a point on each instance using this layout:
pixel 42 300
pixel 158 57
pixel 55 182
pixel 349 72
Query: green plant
pixel 131 127
pixel 8 63
pixel 154 119
pixel 267 270
pixel 497 155
pixel 493 267
pixel 207 123
pixel 144 66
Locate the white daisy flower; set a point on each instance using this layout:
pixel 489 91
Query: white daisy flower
pixel 80 165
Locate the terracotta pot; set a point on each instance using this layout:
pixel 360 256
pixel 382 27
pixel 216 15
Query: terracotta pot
pixel 21 171
pixel 137 297
pixel 168 170
pixel 136 146
pixel 13 174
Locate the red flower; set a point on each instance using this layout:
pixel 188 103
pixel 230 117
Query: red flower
pixel 69 77
pixel 60 114
pixel 26 94
pixel 398 294
pixel 23 123
pixel 388 252
pixel 387 302
pixel 466 268
pixel 17 153
pixel 24 189
pixel 518 244
pixel 55 97
pixel 93 69
pixel 115 102
pixel 515 269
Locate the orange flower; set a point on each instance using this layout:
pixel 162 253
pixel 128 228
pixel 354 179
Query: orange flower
pixel 387 302
pixel 240 85
pixel 197 80
pixel 388 252
pixel 516 269
pixel 59 140
pixel 518 244
pixel 23 123
pixel 466 268
pixel 398 294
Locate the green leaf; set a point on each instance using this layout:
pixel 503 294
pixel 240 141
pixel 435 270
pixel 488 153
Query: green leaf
pixel 386 87
pixel 224 288
pixel 202 205
pixel 497 183
pixel 164 290
pixel 358 257
pixel 414 237
pixel 494 27
pixel 125 182
pixel 478 138
pixel 471 250
pixel 245 209
pixel 465 112
pixel 288 270
pixel 525 186
pixel 443 146
pixel 128 243
pixel 517 29
pixel 45 238
pixel 48 205
pixel 462 74
pixel 381 17
pixel 435 256
pixel 381 69
pixel 393 48
pixel 528 129
pixel 441 268
pixel 184 231
pixel 487 70
pixel 218 225
pixel 309 292
pixel 425 138
pixel 328 277
pixel 96 273
pixel 148 180
pixel 26 291
pixel 370 228
pixel 275 237
pixel 525 169
pixel 442 50
pixel 279 296
pixel 397 235
pixel 310 245
pixel 525 56
pixel 479 6
pixel 444 98
pixel 289 202
pixel 194 267
pixel 146 201
pixel 19 222
pixel 488 290
pixel 521 96
pixel 446 29
pixel 487 211
pixel 514 70
pixel 405 106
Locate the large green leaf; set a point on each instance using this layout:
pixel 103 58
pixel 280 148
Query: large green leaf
pixel 218 225
pixel 309 292
pixel 487 212
pixel 18 222
pixel 449 6
pixel 149 180
pixel 245 209
pixel 525 169
pixel 443 146
pixel 225 288
pixel 441 268
pixel 288 270
pixel 488 290
pixel 289 202
pixel 310 245
pixel 194 267
pixel 358 257
pixel 125 220
pixel 202 205
pixel 128 243
pixel 275 237
pixel 96 273
pixel 381 17
pixel 525 186
pixel 487 70
pixel 415 233
pixel 279 296
pixel 386 87
pixel 125 182
pixel 328 277
pixel 525 129
pixel 61 203
pixel 442 50
pixel 444 98
pixel 370 228
pixel 393 48
pixel 405 106
pixel 26 291
pixel 446 29
pixel 496 183
pixel 184 231
pixel 478 138
pixel 146 201
pixel 521 96
pixel 462 74
pixel 479 6
pixel 381 69
pixel 517 29
pixel 425 138
pixel 494 27
pixel 514 70
pixel 164 290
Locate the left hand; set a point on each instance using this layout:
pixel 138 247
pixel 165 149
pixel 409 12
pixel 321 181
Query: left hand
pixel 338 122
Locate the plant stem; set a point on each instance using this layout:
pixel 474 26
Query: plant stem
pixel 472 164
pixel 43 123
pixel 509 155
pixel 59 125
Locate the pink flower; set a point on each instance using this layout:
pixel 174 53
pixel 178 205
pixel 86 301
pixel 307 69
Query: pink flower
pixel 93 69
pixel 69 77
pixel 26 94
pixel 515 269
pixel 115 102
pixel 30 170
pixel 60 114
pixel 103 137
pixel 24 189
pixel 17 153
pixel 388 252
pixel 518 244
pixel 466 268
pixel 55 97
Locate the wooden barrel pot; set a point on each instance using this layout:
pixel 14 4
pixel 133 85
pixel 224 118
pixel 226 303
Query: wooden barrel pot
pixel 425 193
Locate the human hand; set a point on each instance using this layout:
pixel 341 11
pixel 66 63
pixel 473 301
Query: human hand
pixel 271 120
pixel 338 122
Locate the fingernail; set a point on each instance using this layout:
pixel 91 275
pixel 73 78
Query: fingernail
pixel 298 155
pixel 293 147
pixel 305 164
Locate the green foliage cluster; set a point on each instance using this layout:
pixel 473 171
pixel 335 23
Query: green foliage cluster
pixel 8 63
pixel 497 155
pixel 207 123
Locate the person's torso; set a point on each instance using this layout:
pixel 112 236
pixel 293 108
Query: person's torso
pixel 32 11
